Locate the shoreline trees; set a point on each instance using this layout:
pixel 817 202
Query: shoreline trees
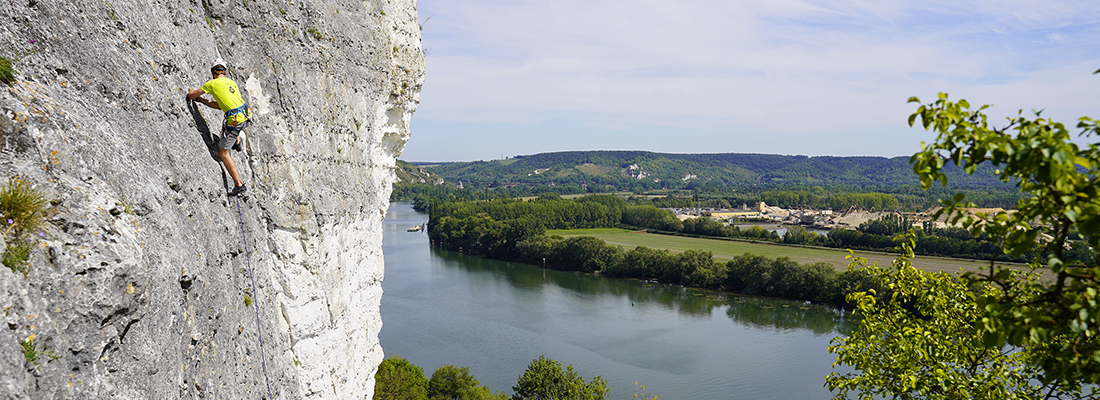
pixel 544 379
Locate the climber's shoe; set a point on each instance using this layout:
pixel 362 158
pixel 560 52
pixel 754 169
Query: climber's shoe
pixel 237 190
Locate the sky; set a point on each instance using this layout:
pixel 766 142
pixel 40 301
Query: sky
pixel 822 77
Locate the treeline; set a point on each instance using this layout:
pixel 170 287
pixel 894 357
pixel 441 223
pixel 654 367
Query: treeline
pixel 783 199
pixel 544 378
pixel 549 211
pixel 514 230
pixel 421 193
pixel 748 274
pixel 884 198
pixel 877 235
pixel 837 197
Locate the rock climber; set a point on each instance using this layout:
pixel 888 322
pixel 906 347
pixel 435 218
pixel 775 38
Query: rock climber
pixel 227 97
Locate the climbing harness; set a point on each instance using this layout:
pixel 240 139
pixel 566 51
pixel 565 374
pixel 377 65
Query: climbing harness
pixel 239 110
pixel 256 301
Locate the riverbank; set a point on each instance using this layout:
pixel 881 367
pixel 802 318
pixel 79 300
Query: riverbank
pixel 728 248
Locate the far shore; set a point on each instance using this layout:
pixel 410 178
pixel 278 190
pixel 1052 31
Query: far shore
pixel 728 249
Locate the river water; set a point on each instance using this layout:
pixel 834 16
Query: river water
pixel 441 307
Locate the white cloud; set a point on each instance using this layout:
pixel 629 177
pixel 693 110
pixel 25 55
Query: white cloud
pixel 782 67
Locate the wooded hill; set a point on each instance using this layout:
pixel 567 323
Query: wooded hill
pixel 412 174
pixel 641 170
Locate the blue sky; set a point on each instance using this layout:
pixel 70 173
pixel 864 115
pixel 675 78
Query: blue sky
pixel 831 77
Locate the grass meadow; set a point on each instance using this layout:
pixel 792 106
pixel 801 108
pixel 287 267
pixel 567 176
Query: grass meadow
pixel 727 249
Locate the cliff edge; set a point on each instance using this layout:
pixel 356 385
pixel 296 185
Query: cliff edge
pixel 140 283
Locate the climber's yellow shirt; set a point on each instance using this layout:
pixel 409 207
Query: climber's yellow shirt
pixel 227 95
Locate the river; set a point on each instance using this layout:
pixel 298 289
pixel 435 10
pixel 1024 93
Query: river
pixel 441 307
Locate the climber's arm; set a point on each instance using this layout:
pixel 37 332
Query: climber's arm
pixel 196 95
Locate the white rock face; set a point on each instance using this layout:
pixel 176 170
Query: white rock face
pixel 141 283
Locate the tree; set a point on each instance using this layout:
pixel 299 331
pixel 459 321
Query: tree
pixel 1062 319
pixel 920 342
pixel 584 253
pixel 703 226
pixel 799 235
pixel 399 379
pixel 549 196
pixel 453 383
pixel 889 224
pixel 998 333
pixel 544 379
pixel 696 268
pixel 651 217
pixel 641 262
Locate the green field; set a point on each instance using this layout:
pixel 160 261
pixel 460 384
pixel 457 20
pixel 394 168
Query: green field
pixel 727 249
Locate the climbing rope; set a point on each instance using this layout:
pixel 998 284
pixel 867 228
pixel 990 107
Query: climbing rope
pixel 208 138
pixel 256 301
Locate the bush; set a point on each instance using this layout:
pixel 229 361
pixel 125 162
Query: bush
pixel 22 207
pixel 16 256
pixel 399 379
pixel 453 383
pixel 22 210
pixel 7 72
pixel 545 379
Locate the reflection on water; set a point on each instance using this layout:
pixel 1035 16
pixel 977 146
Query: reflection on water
pixel 754 311
pixel 788 315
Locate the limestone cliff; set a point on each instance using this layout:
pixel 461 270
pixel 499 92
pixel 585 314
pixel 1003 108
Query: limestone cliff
pixel 141 279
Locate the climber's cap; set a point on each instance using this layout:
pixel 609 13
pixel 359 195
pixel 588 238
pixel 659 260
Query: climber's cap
pixel 218 65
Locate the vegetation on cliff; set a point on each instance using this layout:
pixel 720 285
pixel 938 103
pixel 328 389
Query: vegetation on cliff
pixel 22 209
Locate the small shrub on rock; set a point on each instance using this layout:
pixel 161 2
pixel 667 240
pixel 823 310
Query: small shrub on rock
pixel 7 71
pixel 22 210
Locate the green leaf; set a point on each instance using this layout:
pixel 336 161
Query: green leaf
pixel 1056 265
pixel 992 339
pixel 1017 337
